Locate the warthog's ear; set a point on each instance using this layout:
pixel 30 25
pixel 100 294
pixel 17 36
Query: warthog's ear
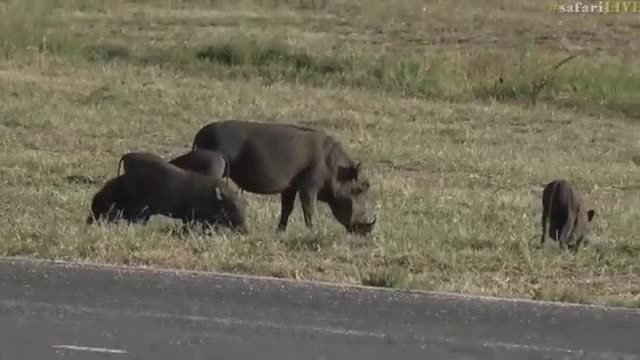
pixel 356 170
pixel 590 214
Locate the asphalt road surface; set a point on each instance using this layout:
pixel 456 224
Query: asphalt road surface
pixel 62 311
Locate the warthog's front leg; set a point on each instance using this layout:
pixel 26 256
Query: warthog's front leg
pixel 575 244
pixel 182 230
pixel 543 238
pixel 287 199
pixel 308 199
pixel 136 214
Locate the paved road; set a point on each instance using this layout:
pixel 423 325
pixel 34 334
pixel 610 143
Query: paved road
pixel 61 311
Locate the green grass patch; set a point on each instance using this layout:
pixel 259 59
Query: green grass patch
pixel 528 74
pixel 547 79
pixel 251 52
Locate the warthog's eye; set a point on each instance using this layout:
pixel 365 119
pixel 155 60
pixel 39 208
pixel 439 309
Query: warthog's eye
pixel 347 173
pixel 360 187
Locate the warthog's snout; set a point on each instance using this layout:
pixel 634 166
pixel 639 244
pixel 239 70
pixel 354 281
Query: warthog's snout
pixel 362 228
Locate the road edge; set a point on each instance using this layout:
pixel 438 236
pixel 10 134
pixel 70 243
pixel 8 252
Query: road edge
pixel 316 283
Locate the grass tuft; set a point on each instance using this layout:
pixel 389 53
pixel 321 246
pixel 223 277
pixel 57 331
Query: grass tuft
pixel 382 277
pixel 108 52
pixel 308 243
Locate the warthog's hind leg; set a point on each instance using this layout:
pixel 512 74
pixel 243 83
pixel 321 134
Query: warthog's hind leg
pixel 544 227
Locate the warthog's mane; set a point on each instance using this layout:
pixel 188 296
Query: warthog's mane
pixel 335 150
pixel 302 127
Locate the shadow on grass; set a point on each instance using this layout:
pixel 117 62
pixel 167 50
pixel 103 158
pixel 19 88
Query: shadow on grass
pixel 250 52
pixel 309 242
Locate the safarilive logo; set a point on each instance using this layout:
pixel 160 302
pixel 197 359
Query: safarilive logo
pixel 602 7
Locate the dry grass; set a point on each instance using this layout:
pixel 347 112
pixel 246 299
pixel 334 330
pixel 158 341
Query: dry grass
pixel 457 157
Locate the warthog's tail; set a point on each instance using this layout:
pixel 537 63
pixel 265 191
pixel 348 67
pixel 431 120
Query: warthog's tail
pixel 548 212
pixel 227 167
pixel 119 165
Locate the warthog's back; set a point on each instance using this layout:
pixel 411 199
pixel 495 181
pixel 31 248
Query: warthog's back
pixel 142 164
pixel 152 178
pixel 234 136
pixel 211 163
pixel 264 158
pixel 561 199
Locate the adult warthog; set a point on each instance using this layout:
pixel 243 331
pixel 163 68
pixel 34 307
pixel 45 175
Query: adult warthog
pixel 288 159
